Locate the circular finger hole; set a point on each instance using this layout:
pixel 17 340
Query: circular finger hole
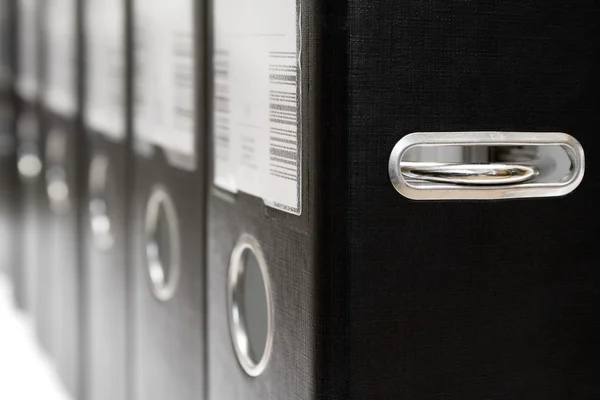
pixel 162 245
pixel 250 306
pixel 101 194
pixel 57 187
pixel 29 163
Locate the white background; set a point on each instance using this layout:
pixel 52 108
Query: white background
pixel 25 372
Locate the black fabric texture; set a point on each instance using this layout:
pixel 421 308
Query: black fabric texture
pixel 470 300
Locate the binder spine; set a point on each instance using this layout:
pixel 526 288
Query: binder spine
pixel 288 241
pixel 106 214
pixel 440 291
pixel 331 104
pixel 167 220
pixel 82 156
pixel 10 209
pixel 64 186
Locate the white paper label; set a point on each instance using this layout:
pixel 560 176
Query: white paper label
pixel 60 95
pixel 164 74
pixel 257 132
pixel 105 75
pixel 27 83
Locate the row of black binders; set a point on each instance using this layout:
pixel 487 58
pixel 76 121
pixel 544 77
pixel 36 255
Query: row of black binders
pixel 298 199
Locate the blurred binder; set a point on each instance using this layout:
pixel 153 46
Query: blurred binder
pixel 62 153
pixel 30 167
pixel 168 203
pixel 107 277
pixel 9 188
pixel 262 260
pixel 323 281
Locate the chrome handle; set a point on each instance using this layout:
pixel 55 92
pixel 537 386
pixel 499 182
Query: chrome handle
pixel 530 164
pixel 468 174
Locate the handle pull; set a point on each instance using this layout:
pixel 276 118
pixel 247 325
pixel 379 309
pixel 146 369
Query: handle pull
pixel 486 165
pixel 468 174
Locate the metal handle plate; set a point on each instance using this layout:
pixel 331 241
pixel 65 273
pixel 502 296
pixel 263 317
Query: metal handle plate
pixel 431 180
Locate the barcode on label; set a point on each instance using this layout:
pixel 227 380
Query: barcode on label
pixel 222 104
pixel 184 81
pixel 283 116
